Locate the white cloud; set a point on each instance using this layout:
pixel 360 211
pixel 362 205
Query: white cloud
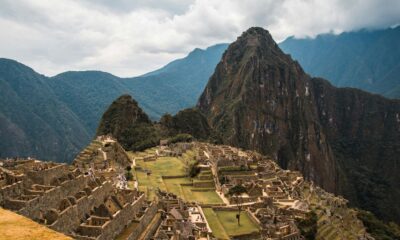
pixel 128 38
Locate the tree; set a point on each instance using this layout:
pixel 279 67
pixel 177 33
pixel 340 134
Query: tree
pixel 237 192
pixel 308 226
pixel 128 175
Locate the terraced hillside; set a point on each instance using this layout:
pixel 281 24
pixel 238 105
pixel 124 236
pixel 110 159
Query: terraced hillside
pixel 103 152
pixel 169 173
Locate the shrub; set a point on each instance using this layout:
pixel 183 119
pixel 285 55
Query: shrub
pixel 128 175
pixel 308 226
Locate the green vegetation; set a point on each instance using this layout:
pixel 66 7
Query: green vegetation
pixel 33 121
pixel 237 192
pixel 127 122
pixel 130 125
pixel 216 226
pixel 377 228
pixel 308 226
pixel 181 137
pixel 224 224
pixel 188 122
pixel 129 176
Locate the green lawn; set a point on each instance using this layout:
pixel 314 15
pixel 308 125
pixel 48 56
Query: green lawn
pixel 226 220
pixel 171 166
pixel 208 197
pixel 185 192
pixel 174 185
pixel 216 226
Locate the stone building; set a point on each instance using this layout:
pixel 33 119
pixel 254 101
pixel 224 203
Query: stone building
pixel 63 198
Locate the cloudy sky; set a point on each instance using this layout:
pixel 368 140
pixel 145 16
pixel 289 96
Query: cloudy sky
pixel 132 37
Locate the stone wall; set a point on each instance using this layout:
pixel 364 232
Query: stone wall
pixel 70 218
pixel 53 197
pixel 121 219
pixel 204 184
pixel 144 222
pixel 9 191
pixel 47 175
pixel 151 230
pixel 249 236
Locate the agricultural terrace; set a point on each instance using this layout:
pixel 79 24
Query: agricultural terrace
pixel 154 174
pixel 224 224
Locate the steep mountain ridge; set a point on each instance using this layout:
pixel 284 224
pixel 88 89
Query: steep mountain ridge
pixel 33 121
pixel 364 132
pixel 259 98
pixel 53 118
pixel 178 84
pixel 250 100
pixel 87 94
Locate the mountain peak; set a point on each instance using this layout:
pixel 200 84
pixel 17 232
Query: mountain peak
pixel 255 43
pixel 257 37
pixel 257 32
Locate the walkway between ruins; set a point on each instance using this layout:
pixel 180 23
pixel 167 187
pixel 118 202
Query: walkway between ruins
pixel 222 196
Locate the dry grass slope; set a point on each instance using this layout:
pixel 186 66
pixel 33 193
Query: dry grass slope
pixel 16 227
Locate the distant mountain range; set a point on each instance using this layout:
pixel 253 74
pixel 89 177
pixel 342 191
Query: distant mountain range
pixel 52 118
pixel 33 120
pixel 368 60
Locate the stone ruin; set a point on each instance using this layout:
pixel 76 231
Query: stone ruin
pixel 66 200
pixel 105 156
pixel 180 220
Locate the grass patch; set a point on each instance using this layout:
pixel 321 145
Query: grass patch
pixel 165 166
pixel 224 224
pixel 229 222
pixel 208 197
pixel 185 192
pixel 216 227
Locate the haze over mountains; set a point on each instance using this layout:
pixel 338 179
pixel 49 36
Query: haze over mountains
pixel 78 99
pixel 369 60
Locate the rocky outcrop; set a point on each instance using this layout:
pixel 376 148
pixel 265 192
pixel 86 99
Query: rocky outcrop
pixel 259 98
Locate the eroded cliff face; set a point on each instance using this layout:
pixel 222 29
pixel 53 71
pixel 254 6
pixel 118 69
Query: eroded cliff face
pixel 259 98
pixel 364 132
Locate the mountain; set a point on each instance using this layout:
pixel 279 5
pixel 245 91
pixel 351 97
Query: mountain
pixel 87 94
pixel 346 140
pixel 171 88
pixel 366 59
pixel 33 122
pixel 126 121
pixel 53 118
pixel 190 121
pixel 177 85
